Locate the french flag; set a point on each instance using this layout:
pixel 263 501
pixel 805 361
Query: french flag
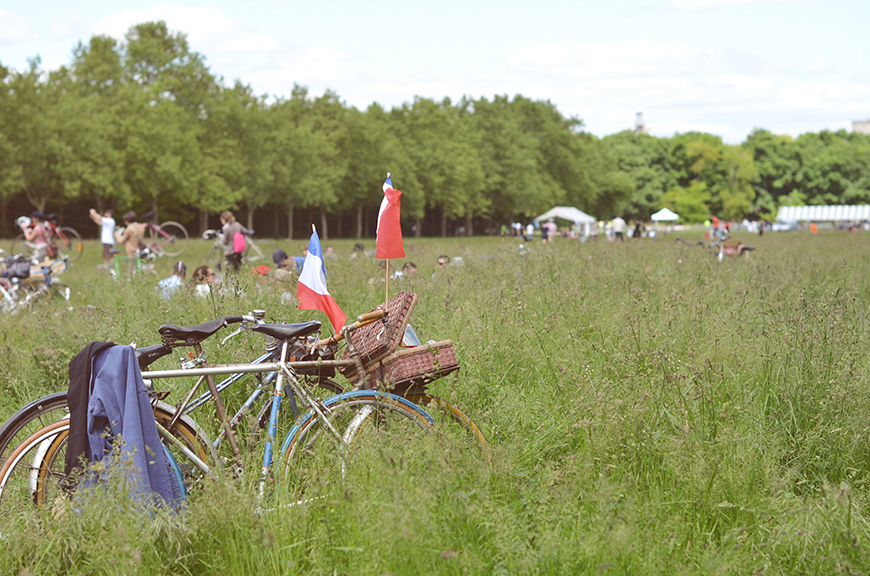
pixel 389 241
pixel 312 293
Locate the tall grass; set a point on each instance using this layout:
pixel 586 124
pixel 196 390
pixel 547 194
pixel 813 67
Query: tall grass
pixel 650 411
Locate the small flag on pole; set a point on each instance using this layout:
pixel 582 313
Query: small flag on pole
pixel 389 241
pixel 312 293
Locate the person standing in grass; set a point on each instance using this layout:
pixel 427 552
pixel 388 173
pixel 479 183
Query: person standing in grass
pixel 132 236
pixel 618 227
pixel 36 233
pixel 233 241
pixel 107 232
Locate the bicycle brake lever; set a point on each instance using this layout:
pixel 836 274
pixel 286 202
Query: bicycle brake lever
pixel 243 325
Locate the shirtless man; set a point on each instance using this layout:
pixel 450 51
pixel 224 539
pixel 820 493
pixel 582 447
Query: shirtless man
pixel 134 233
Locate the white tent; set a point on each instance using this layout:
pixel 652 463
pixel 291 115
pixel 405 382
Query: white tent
pixel 823 213
pixel 569 213
pixel 664 215
pixel 575 215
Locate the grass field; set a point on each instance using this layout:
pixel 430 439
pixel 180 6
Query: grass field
pixel 650 410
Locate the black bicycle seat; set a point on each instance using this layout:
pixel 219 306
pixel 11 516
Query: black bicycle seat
pixel 190 335
pixel 288 331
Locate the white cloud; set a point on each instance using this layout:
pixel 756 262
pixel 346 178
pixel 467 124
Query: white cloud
pixel 14 27
pixel 208 30
pixel 64 28
pixel 695 4
pixel 620 59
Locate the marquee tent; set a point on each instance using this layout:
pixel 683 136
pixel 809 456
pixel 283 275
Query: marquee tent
pixel 665 215
pixel 823 213
pixel 575 215
pixel 569 213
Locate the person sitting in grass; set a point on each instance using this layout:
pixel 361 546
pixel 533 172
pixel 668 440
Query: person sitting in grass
pixel 169 286
pixel 201 281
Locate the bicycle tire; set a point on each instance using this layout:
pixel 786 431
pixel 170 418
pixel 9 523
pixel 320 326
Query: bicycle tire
pixel 172 240
pixel 7 301
pixel 214 257
pixel 261 249
pixel 446 414
pixel 25 474
pixel 76 247
pixel 54 458
pixel 53 407
pixel 311 457
pixel 18 245
pixel 35 415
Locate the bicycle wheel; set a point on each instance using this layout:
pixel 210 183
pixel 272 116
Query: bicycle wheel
pixel 33 473
pixel 29 419
pixel 71 243
pixel 261 249
pixel 215 256
pixel 449 417
pixel 358 425
pixel 19 245
pixel 7 299
pixel 171 239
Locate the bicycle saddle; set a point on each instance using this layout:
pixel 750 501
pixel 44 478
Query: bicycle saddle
pixel 194 334
pixel 288 331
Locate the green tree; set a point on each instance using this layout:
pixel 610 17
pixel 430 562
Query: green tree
pixel 690 202
pixel 645 161
pixel 776 160
pixel 167 88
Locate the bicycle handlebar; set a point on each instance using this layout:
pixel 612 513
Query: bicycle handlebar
pixel 374 315
pixel 361 321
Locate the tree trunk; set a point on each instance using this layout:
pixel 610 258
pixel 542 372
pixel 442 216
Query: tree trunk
pixel 156 220
pixel 250 224
pixel 469 231
pixel 323 225
pixel 290 223
pixel 359 222
pixel 203 221
pixel 419 225
pixel 443 223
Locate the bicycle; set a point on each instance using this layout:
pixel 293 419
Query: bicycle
pixel 38 458
pixel 167 239
pixel 71 244
pixel 22 281
pixel 352 411
pixel 253 251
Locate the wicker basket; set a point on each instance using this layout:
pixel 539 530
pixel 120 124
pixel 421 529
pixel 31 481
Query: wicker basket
pixel 377 340
pixel 415 367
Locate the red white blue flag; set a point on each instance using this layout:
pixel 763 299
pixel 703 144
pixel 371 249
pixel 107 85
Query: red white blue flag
pixel 312 293
pixel 389 242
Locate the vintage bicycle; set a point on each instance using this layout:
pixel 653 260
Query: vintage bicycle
pixel 22 281
pixel 166 239
pixel 343 418
pixel 69 241
pixel 255 250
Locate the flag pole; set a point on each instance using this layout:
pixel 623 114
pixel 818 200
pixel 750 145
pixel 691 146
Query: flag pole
pixel 387 295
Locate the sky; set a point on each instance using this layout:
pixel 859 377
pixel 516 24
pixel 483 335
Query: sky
pixel 720 66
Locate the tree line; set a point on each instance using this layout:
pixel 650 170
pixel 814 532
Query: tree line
pixel 144 124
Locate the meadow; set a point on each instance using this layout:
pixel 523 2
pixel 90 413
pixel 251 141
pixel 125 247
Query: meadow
pixel 650 411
